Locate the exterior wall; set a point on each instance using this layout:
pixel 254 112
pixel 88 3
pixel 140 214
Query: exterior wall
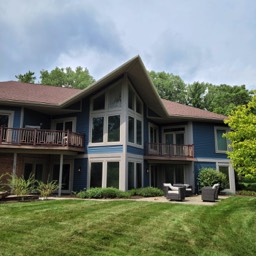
pixel 35 118
pixel 204 141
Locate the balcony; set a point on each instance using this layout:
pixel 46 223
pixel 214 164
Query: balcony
pixel 27 138
pixel 169 151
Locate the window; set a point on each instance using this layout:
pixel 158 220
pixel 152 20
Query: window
pixel 135 175
pixel 96 175
pixel 225 169
pixel 114 128
pixel 97 129
pixel 139 132
pixel 64 124
pixel 106 115
pixel 113 174
pixel 99 103
pixel 131 129
pixel 174 174
pixel 220 141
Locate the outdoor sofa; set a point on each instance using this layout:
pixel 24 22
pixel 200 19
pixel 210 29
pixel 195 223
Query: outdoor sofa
pixel 174 193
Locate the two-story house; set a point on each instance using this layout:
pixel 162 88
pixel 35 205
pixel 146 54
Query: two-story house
pixel 116 132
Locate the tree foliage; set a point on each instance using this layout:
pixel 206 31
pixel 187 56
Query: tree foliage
pixel 169 86
pixel 80 78
pixel 28 77
pixel 243 138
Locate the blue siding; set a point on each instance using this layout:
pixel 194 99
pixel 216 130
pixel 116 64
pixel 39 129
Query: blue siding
pixel 204 141
pixel 35 118
pixel 80 178
pixel 105 149
pixel 134 150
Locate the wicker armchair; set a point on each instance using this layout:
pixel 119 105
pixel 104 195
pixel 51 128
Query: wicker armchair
pixel 174 193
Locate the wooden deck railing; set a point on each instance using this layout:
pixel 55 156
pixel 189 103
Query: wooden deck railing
pixel 39 137
pixel 169 150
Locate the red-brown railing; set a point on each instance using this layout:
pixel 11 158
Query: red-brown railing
pixel 169 150
pixel 39 137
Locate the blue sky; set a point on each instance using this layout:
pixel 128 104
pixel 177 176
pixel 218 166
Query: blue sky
pixel 200 40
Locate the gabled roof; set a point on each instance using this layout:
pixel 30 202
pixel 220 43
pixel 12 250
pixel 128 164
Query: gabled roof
pixel 17 92
pixel 175 109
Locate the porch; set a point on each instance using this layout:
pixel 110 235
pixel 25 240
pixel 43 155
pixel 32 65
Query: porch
pixel 169 151
pixel 27 138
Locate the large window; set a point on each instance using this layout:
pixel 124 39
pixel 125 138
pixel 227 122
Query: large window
pixel 104 174
pixel 174 174
pixel 106 115
pixel 224 168
pixel 220 141
pixel 135 175
pixel 135 117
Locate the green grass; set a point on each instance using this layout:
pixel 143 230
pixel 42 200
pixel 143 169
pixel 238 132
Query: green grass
pixel 80 227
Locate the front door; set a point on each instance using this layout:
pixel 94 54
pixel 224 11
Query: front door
pixel 66 181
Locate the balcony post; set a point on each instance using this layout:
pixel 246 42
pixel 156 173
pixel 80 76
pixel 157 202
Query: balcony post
pixel 60 174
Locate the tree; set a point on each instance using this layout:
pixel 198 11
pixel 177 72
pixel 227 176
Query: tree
pixel 80 78
pixel 223 99
pixel 242 122
pixel 28 77
pixel 195 94
pixel 169 86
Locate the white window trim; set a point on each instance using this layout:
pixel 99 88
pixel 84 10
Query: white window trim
pixel 135 162
pixel 216 138
pixel 175 132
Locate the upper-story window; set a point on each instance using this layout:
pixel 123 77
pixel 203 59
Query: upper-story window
pixel 135 117
pixel 220 141
pixel 106 115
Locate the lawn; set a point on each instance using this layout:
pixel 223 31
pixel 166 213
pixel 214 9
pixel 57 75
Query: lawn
pixel 80 227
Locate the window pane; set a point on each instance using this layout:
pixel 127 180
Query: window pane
pixel 139 175
pixel 131 99
pixel 113 174
pixel 114 128
pixel 169 175
pixel 224 169
pixel 114 97
pixel 69 126
pixel 99 102
pixel 28 169
pixel 221 142
pixel 130 175
pixel 179 174
pixel 138 106
pixel 96 175
pixel 39 172
pixel 139 132
pixel 131 129
pixel 97 129
pixel 4 120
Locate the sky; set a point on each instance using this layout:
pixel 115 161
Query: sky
pixel 210 41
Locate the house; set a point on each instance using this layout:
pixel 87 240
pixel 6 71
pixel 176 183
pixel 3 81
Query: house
pixel 116 132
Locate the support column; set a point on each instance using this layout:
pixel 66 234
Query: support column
pixel 14 167
pixel 60 174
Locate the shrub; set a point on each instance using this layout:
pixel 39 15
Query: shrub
pixel 20 186
pixel 147 192
pixel 209 176
pixel 246 193
pixel 46 189
pixel 98 193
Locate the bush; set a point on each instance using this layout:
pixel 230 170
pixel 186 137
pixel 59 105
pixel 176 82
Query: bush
pixel 98 193
pixel 147 192
pixel 246 193
pixel 20 186
pixel 209 176
pixel 46 189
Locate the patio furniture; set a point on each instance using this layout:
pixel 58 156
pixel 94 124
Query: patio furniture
pixel 174 193
pixel 210 194
pixel 189 190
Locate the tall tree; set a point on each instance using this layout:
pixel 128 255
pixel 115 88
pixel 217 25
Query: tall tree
pixel 28 77
pixel 169 86
pixel 243 138
pixel 196 93
pixel 223 99
pixel 80 78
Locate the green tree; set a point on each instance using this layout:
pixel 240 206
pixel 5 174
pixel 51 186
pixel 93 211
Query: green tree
pixel 223 99
pixel 195 94
pixel 242 122
pixel 169 86
pixel 28 77
pixel 78 78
